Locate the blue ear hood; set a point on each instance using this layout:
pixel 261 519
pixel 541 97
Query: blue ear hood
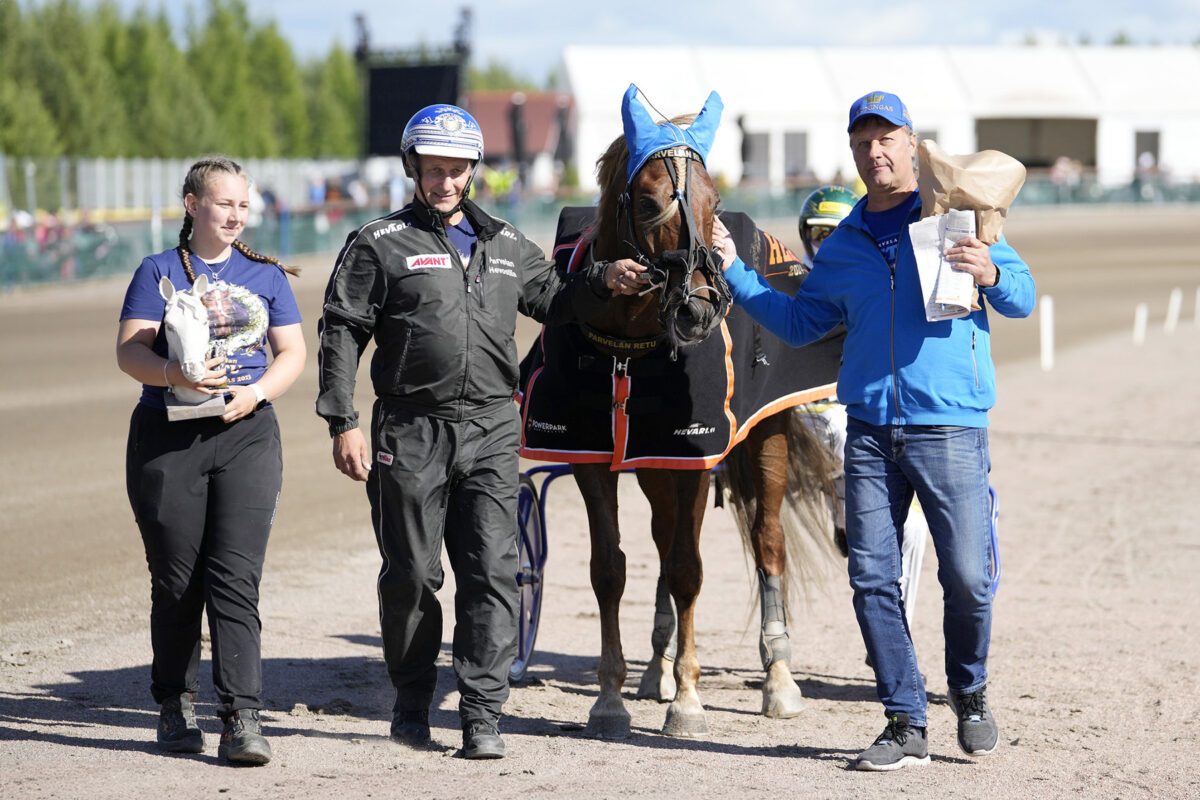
pixel 645 138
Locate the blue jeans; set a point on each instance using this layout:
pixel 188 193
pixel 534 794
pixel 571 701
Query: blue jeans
pixel 947 468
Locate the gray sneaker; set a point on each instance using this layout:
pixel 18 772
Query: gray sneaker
pixel 242 741
pixel 900 745
pixel 977 731
pixel 177 728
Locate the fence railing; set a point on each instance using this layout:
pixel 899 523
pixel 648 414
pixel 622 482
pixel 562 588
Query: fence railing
pixel 83 245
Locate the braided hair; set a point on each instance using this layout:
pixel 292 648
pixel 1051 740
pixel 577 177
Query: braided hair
pixel 196 183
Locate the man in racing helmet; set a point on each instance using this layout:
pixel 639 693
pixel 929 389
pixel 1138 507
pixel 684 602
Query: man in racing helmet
pixel 434 136
pixel 438 285
pixel 821 213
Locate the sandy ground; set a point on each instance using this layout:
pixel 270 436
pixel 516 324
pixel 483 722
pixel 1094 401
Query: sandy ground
pixel 1096 643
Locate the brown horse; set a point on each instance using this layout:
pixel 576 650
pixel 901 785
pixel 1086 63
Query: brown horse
pixel 663 216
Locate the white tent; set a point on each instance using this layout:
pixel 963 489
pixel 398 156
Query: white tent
pixel 1103 106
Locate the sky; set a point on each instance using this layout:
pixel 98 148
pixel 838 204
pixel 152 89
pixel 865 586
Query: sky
pixel 528 35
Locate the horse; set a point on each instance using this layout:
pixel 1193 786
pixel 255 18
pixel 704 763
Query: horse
pixel 185 323
pixel 660 211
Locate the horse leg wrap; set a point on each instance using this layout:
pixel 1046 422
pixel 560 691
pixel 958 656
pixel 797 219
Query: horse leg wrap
pixel 773 644
pixel 663 638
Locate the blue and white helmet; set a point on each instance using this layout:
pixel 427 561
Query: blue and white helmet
pixel 443 130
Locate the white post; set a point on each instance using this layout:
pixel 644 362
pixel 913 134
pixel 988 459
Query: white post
pixel 1139 324
pixel 1046 321
pixel 156 222
pixel 1174 303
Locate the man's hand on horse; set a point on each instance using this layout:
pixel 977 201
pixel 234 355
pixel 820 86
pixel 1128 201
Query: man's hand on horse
pixel 722 242
pixel 624 276
pixel 973 256
pixel 351 455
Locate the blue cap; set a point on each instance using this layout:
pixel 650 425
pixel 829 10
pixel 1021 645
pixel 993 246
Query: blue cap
pixel 880 104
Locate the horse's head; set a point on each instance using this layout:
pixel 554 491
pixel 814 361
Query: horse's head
pixel 185 321
pixel 657 204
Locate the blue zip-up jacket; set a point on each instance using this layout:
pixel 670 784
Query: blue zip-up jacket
pixel 897 368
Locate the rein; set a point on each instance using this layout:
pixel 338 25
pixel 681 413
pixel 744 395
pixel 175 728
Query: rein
pixel 696 257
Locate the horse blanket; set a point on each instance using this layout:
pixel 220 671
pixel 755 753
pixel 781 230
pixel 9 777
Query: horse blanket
pixel 580 404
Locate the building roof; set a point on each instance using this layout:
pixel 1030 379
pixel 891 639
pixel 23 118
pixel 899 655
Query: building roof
pixel 947 89
pixel 491 111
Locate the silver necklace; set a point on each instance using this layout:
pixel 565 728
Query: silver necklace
pixel 216 272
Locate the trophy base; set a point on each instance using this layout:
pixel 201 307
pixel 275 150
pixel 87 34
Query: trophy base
pixel 178 410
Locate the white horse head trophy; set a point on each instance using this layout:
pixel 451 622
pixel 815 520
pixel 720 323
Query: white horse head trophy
pixel 186 322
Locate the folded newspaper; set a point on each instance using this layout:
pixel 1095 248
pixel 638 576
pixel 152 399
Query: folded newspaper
pixel 949 293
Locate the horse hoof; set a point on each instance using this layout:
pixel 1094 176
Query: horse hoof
pixel 687 725
pixel 783 705
pixel 607 726
pixel 782 698
pixel 656 684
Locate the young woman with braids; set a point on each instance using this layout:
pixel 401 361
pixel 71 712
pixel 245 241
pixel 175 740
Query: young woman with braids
pixel 204 490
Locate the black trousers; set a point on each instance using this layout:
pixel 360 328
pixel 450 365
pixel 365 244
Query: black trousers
pixel 436 481
pixel 204 494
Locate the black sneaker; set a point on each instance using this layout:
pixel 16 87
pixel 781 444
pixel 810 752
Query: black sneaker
pixel 900 745
pixel 177 728
pixel 977 731
pixel 242 741
pixel 411 728
pixel 481 739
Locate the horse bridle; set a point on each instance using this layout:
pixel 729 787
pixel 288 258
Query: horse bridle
pixel 695 257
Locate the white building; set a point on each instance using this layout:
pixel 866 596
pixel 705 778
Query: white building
pixel 1102 106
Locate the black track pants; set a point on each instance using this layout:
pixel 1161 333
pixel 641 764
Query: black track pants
pixel 454 482
pixel 204 494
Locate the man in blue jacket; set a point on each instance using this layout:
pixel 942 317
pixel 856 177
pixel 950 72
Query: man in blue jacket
pixel 917 394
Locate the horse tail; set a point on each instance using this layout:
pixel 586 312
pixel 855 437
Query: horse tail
pixel 812 558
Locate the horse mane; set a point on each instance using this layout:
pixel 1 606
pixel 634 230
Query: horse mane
pixel 610 174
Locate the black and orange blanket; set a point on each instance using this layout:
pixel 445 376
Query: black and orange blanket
pixel 579 405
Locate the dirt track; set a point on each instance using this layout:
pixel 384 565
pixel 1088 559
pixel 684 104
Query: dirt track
pixel 1096 643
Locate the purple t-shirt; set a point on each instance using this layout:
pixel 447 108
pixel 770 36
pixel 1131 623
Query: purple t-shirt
pixel 248 298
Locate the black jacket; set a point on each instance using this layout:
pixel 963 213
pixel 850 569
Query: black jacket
pixel 443 335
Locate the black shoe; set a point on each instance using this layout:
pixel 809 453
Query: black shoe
pixel 977 731
pixel 242 741
pixel 481 740
pixel 411 728
pixel 177 728
pixel 900 745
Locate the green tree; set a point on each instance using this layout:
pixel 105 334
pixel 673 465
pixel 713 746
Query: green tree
pixel 336 105
pixel 170 114
pixel 219 50
pixel 76 83
pixel 282 93
pixel 11 37
pixel 26 127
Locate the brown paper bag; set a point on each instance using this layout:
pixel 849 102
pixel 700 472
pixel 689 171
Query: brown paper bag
pixel 987 182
